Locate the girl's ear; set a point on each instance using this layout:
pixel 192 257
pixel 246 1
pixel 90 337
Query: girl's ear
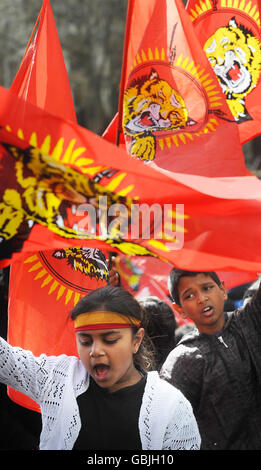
pixel 138 339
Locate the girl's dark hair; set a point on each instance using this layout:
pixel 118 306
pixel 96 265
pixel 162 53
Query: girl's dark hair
pixel 175 276
pixel 118 299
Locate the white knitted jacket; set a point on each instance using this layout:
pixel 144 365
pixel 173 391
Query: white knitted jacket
pixel 166 419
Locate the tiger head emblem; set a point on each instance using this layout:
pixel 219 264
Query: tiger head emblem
pixel 151 105
pixel 89 261
pixel 234 53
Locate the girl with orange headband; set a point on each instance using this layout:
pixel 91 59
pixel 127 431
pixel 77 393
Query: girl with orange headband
pixel 107 398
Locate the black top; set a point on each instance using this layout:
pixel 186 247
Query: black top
pixel 110 420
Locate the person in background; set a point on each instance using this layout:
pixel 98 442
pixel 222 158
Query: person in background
pixel 160 325
pixel 218 367
pixel 251 291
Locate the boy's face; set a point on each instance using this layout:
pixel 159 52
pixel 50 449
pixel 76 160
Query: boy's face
pixel 202 300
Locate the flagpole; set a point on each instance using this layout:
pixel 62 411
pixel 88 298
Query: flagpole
pixel 123 68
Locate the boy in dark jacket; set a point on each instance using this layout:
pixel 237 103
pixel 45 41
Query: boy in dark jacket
pixel 218 367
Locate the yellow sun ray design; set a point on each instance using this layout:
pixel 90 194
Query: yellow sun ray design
pixel 210 86
pixel 47 281
pixel 246 6
pixel 74 155
pixel 71 154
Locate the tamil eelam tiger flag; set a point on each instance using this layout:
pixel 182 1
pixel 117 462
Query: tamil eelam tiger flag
pixel 172 111
pixel 41 184
pixel 54 172
pixel 33 167
pixel 48 166
pixel 159 34
pixel 150 22
pixel 229 33
pixel 42 78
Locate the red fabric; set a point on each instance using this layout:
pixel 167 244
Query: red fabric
pixel 171 109
pixel 240 22
pixel 147 276
pixel 42 77
pixel 42 292
pixel 214 207
pixel 221 214
pixel 135 268
pixel 103 326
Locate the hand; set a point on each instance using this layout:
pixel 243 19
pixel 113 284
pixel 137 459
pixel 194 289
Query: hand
pixel 114 277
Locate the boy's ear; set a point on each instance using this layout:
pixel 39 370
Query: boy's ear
pixel 179 310
pixel 222 287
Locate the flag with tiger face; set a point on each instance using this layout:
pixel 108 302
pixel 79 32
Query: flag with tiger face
pixel 229 32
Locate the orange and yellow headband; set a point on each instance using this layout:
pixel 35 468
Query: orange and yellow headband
pixel 100 320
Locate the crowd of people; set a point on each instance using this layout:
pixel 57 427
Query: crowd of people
pixel 141 381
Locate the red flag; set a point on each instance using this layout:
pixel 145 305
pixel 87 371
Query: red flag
pixel 171 108
pixel 42 77
pixel 53 165
pixel 229 32
pixel 159 270
pixel 48 273
pixel 42 80
pixel 110 132
pixel 44 288
pixel 56 164
pixel 147 27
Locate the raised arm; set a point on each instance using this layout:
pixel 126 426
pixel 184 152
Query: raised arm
pixel 22 371
pixel 252 306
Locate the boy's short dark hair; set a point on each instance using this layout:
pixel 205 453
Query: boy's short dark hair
pixel 177 273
